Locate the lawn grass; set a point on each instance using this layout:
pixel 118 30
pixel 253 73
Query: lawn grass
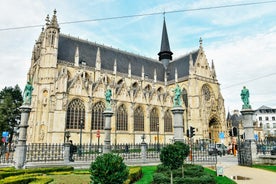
pixel 71 179
pixel 219 179
pixel 266 167
pixel 147 174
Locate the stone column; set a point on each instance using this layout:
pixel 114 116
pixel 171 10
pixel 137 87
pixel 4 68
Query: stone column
pixel 107 130
pixel 247 121
pixel 143 149
pixel 178 123
pixel 21 147
pixel 66 152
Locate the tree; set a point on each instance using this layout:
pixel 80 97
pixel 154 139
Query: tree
pixel 11 99
pixel 108 169
pixel 172 156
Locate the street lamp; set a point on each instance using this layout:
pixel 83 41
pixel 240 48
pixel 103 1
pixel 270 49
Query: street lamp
pixel 158 148
pixel 67 135
pixel 81 127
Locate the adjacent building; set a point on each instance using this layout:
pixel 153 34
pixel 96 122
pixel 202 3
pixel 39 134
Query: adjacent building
pixel 265 119
pixel 70 77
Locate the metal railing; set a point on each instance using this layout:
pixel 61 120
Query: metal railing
pixel 44 153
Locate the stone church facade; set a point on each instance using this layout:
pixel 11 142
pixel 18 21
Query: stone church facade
pixel 70 77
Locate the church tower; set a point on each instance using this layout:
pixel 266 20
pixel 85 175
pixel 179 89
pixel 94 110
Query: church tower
pixel 43 74
pixel 165 54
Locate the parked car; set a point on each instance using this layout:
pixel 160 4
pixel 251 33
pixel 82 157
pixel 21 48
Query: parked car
pixel 217 149
pixel 273 151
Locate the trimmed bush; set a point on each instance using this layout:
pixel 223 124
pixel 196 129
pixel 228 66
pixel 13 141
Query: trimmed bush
pixel 159 178
pixel 108 169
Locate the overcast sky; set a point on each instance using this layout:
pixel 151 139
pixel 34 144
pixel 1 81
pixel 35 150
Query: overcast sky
pixel 238 35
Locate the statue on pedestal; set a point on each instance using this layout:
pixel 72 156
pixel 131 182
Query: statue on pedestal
pixel 245 98
pixel 177 95
pixel 108 95
pixel 27 95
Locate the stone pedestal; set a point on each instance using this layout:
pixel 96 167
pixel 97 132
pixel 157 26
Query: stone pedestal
pixel 247 121
pixel 144 151
pixel 66 156
pixel 178 123
pixel 21 147
pixel 107 130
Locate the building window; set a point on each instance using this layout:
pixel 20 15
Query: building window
pixel 274 125
pixel 273 118
pixel 154 120
pixel 97 119
pixel 138 119
pixel 121 121
pixel 185 97
pixel 168 121
pixel 260 118
pixel 206 92
pixel 267 125
pixel 266 118
pixel 75 112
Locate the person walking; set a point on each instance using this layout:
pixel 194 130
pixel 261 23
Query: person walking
pixel 71 151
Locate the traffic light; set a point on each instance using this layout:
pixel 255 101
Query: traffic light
pixel 192 131
pixel 235 132
pixel 230 133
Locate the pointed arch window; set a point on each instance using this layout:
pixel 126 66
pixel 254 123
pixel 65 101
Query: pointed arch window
pixel 167 121
pixel 122 118
pixel 138 119
pixel 154 120
pixel 185 97
pixel 97 119
pixel 75 112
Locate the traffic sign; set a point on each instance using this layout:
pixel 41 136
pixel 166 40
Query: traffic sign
pixel 98 133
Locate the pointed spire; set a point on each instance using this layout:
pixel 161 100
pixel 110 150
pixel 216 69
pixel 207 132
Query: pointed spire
pixel 77 58
pixel 143 72
pixel 165 51
pixel 191 64
pixel 200 42
pixel 155 75
pixel 53 23
pixel 47 19
pixel 213 69
pixel 115 67
pixel 129 69
pixel 176 75
pixel 98 59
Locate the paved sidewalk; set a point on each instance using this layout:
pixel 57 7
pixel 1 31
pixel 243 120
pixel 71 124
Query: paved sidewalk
pixel 249 175
pixel 245 175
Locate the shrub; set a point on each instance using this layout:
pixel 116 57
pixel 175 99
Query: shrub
pixel 160 178
pixel 108 169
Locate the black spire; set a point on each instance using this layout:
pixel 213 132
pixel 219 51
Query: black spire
pixel 165 51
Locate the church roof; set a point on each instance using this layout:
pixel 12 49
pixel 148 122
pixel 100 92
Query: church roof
pixel 88 51
pixel 182 64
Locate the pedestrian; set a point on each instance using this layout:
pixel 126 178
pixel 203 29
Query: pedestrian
pixel 126 148
pixel 7 154
pixel 71 151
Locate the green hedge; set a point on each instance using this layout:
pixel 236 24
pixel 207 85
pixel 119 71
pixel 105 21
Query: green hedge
pixel 7 172
pixel 192 174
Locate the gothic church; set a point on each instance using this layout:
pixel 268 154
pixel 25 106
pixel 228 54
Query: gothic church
pixel 70 77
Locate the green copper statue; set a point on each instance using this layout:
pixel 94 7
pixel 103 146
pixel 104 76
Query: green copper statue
pixel 245 98
pixel 27 95
pixel 108 95
pixel 177 94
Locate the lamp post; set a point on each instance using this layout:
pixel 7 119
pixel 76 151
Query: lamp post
pixel 158 147
pixel 67 135
pixel 81 127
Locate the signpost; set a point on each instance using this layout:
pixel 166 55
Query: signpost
pixel 98 136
